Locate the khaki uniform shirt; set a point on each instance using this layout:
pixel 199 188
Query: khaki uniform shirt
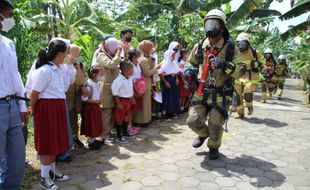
pixel 75 88
pixel 111 71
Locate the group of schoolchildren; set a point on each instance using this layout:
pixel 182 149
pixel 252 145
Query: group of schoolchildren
pixel 123 90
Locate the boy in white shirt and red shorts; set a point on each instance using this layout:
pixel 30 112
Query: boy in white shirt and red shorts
pixel 122 90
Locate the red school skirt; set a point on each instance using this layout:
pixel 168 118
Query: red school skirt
pixel 91 120
pixel 184 92
pixel 50 127
pixel 121 115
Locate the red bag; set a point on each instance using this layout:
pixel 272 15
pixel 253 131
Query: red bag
pixel 141 85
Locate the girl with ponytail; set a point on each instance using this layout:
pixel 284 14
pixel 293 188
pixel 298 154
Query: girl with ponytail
pixel 50 81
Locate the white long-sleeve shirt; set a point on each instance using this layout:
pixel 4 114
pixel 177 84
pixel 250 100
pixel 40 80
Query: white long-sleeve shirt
pixel 10 79
pixel 52 81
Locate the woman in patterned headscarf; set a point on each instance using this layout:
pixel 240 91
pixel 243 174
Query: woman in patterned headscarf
pixel 144 116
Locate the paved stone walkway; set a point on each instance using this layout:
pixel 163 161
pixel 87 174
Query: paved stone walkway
pixel 269 150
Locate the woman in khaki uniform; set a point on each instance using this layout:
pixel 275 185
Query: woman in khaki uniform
pixel 144 116
pixel 73 94
pixel 108 60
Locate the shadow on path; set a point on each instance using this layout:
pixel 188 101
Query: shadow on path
pixel 262 173
pixel 266 121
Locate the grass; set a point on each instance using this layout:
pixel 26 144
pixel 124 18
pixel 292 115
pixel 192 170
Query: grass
pixel 32 170
pixel 30 177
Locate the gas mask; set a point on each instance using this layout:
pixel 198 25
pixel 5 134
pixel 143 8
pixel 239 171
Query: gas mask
pixel 7 23
pixel 243 45
pixel 281 61
pixel 268 56
pixel 212 28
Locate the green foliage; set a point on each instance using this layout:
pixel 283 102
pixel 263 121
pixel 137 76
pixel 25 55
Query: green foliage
pixel 161 21
pixel 188 24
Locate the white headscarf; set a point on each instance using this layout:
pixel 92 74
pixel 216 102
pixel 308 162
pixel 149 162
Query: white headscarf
pixel 170 65
pixel 94 60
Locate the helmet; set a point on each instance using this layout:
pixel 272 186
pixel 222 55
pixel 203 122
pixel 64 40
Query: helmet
pixel 243 36
pixel 268 50
pixel 215 13
pixel 282 57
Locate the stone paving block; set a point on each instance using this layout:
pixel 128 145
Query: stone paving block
pixel 224 181
pixel 208 186
pixel 216 163
pixel 223 172
pixel 279 163
pixel 245 186
pixel 188 181
pixel 234 167
pixel 185 172
pixel 261 181
pixel 253 171
pixel 169 186
pixel 286 186
pixel 205 176
pixel 168 167
pixel 151 181
pixel 184 163
pixel 273 175
pixel 297 180
pixel 135 175
pixel 229 188
pixel 169 176
pixel 303 188
pixel 132 185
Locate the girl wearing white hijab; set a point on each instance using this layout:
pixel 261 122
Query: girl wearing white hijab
pixel 168 74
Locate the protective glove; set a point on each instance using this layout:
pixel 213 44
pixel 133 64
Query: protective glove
pixel 217 63
pixel 255 65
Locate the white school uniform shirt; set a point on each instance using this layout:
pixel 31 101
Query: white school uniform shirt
pixel 52 81
pixel 136 71
pixel 184 63
pixel 10 79
pixel 95 90
pixel 122 87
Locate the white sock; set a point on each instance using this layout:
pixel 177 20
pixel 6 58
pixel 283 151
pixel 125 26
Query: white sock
pixel 91 140
pixel 182 108
pixel 45 169
pixel 53 166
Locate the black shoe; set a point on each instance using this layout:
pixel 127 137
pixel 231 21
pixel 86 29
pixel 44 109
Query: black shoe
pixel 94 146
pixel 79 143
pixel 129 136
pixel 58 176
pixel 198 141
pixel 99 143
pixel 213 153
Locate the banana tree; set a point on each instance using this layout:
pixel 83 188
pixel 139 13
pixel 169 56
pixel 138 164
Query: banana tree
pixel 67 17
pixel 301 7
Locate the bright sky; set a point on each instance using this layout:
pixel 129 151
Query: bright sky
pixel 275 5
